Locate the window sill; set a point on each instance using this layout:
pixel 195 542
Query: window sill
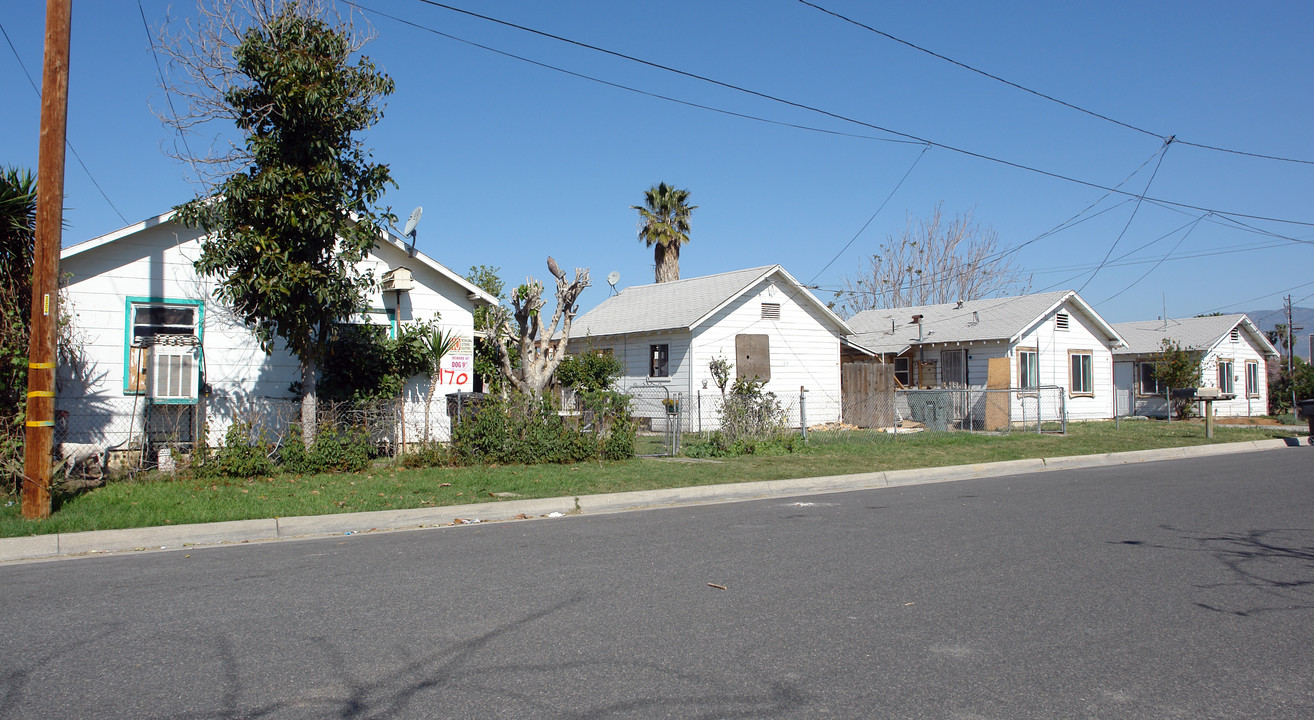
pixel 1080 395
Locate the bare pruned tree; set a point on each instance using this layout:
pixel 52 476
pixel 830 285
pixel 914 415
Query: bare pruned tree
pixel 933 260
pixel 201 73
pixel 539 346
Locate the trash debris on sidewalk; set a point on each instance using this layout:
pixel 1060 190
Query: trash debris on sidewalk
pixel 556 514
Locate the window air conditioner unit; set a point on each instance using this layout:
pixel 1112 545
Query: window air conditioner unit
pixel 174 373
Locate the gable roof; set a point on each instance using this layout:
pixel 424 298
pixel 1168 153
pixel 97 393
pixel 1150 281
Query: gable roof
pixel 1202 333
pixel 473 292
pixel 685 304
pixel 1007 319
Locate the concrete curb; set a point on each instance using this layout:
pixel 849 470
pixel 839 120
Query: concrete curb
pixel 246 531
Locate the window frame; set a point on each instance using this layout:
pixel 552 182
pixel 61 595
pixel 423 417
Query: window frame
pixel 130 306
pixel 906 371
pixel 1226 382
pixel 1158 391
pixel 961 355
pixel 659 360
pixel 1023 367
pixel 1252 373
pixel 1085 374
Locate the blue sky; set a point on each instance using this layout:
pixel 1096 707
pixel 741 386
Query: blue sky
pixel 513 161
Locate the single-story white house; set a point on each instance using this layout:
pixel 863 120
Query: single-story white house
pixel 760 319
pixel 1233 358
pixel 158 356
pixel 1044 339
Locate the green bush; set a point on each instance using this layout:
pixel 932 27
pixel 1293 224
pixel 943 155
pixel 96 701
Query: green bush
pixel 334 450
pixel 245 453
pixel 528 431
pixel 429 454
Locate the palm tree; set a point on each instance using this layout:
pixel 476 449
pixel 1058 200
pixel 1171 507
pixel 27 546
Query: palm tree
pixel 664 223
pixel 437 345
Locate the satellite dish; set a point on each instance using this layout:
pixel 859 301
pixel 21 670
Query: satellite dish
pixel 613 277
pixel 410 228
pixel 412 222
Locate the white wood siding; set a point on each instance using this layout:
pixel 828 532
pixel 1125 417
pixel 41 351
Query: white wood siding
pixel 157 263
pixel 804 347
pixel 1053 345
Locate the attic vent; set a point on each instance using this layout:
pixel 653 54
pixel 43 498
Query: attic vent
pixel 1236 334
pixel 1061 321
pixel 770 311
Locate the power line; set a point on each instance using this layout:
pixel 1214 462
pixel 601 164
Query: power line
pixel 626 88
pixel 67 142
pixel 873 216
pixel 844 118
pixel 1163 152
pixel 1161 261
pixel 1039 94
pixel 168 96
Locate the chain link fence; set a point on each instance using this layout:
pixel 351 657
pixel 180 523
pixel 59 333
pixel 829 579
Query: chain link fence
pixel 887 415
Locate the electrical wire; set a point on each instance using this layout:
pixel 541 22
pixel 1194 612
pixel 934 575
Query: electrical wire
pixel 626 88
pixel 1162 154
pixel 67 142
pixel 168 96
pixel 838 116
pixel 1039 94
pixel 873 216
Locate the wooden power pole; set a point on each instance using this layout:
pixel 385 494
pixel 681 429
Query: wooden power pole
pixel 40 430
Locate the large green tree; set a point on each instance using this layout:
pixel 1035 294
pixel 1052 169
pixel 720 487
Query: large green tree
pixel 17 243
pixel 485 354
pixel 286 233
pixel 664 227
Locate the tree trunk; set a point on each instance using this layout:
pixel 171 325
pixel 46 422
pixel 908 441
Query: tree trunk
pixel 309 403
pixel 428 402
pixel 666 259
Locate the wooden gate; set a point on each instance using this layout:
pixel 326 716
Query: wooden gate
pixel 867 392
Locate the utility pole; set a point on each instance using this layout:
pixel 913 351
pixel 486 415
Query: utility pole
pixel 40 430
pixel 1291 353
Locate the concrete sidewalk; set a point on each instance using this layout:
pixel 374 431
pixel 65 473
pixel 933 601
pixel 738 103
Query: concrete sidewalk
pixel 247 531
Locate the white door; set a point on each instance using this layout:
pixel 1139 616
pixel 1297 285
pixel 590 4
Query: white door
pixel 1123 378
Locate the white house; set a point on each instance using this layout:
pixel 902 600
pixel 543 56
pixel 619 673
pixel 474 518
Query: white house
pixel 760 319
pixel 1233 356
pixel 156 353
pixel 1045 339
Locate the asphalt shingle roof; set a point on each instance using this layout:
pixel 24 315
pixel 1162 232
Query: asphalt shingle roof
pixel 665 306
pixel 1147 336
pixel 891 330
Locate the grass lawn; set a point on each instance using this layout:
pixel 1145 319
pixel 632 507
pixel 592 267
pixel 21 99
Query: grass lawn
pixel 157 500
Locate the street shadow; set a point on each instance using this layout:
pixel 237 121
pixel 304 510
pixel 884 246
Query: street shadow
pixel 461 670
pixel 1267 570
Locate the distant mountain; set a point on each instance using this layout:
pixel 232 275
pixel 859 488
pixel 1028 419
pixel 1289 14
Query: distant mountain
pixel 1300 316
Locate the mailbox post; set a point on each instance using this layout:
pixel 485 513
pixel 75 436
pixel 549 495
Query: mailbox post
pixel 1206 395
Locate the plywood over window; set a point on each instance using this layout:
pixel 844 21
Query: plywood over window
pixel 753 357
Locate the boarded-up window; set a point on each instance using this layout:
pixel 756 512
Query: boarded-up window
pixel 770 311
pixel 753 357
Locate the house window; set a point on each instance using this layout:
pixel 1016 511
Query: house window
pixel 1081 373
pixel 1150 384
pixel 1252 379
pixel 658 360
pixel 375 317
pixel 148 319
pixel 901 371
pixel 770 311
pixel 602 352
pixel 953 368
pixel 1225 375
pixel 1061 321
pixel 1028 368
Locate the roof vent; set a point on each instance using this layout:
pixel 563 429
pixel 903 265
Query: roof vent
pixel 770 311
pixel 959 306
pixel 1061 321
pixel 917 320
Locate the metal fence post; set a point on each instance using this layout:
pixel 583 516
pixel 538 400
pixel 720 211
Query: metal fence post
pixel 803 411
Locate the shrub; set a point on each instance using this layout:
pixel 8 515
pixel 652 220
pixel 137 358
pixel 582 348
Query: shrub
pixel 245 453
pixel 525 430
pixel 334 450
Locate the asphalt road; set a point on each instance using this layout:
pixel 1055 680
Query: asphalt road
pixel 1161 590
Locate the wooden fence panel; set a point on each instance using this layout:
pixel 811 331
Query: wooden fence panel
pixel 867 392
